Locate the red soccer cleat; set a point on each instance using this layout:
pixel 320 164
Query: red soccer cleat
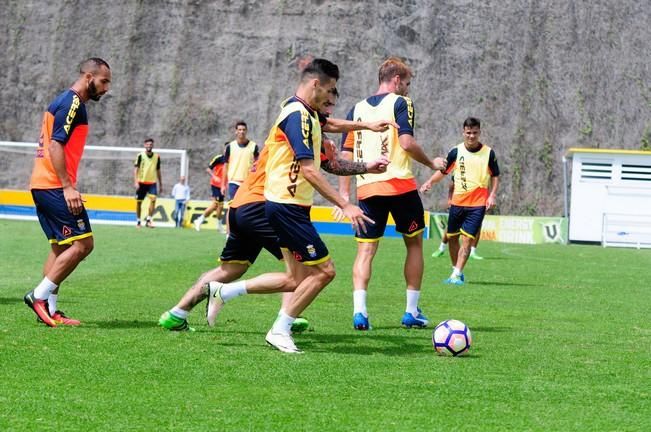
pixel 40 309
pixel 60 318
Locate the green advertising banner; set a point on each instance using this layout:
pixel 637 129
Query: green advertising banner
pixel 512 229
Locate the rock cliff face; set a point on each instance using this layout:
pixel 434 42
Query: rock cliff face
pixel 543 76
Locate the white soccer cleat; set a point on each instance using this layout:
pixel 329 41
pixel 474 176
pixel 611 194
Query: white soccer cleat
pixel 197 224
pixel 215 301
pixel 282 342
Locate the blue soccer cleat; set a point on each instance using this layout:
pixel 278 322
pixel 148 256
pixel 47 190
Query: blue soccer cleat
pixel 360 322
pixel 409 320
pixel 455 280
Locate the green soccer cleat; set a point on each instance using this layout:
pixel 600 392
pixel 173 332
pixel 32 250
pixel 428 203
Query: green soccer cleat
pixel 438 253
pixel 300 324
pixel 476 257
pixel 173 323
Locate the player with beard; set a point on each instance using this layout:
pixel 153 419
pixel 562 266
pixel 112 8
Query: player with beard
pixel 146 170
pixel 53 185
pixel 394 192
pixel 250 232
pixel 292 176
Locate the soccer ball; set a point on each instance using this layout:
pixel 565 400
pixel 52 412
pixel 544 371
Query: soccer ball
pixel 451 338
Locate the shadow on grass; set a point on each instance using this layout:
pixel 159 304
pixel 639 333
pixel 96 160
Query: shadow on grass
pixel 363 344
pixel 350 343
pixel 19 299
pixel 503 284
pixel 408 331
pixel 121 324
pixel 491 329
pixel 495 258
pixel 354 344
pixel 10 300
pixel 492 258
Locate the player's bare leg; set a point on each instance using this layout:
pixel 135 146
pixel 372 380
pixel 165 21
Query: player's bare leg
pixel 152 206
pixel 68 259
pixel 473 248
pixel 441 250
pixel 464 252
pixel 225 273
pixel 221 293
pixel 362 271
pixel 138 212
pixel 413 272
pixel 176 318
pixel 211 208
pixel 459 255
pixel 60 262
pixel 316 278
pixel 55 251
pixel 414 262
pixel 297 271
pixel 214 206
pixel 453 246
pixel 300 324
pixel 219 207
pixel 52 301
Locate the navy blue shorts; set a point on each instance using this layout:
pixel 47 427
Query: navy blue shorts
pixel 249 232
pixel 146 189
pixel 217 193
pixel 232 190
pixel 465 220
pixel 406 209
pixel 59 225
pixel 295 231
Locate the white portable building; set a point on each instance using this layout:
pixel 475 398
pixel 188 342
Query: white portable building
pixel 610 197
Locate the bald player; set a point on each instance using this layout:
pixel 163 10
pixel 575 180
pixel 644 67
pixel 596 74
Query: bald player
pixel 59 205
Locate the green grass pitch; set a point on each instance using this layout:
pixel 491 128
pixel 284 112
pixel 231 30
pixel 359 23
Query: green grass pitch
pixel 562 341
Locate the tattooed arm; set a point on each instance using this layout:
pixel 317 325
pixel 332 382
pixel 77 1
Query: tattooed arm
pixel 335 125
pixel 345 167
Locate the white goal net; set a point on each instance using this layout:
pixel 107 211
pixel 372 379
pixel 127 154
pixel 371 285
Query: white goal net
pixel 103 170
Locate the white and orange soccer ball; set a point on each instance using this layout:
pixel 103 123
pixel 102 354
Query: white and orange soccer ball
pixel 452 338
